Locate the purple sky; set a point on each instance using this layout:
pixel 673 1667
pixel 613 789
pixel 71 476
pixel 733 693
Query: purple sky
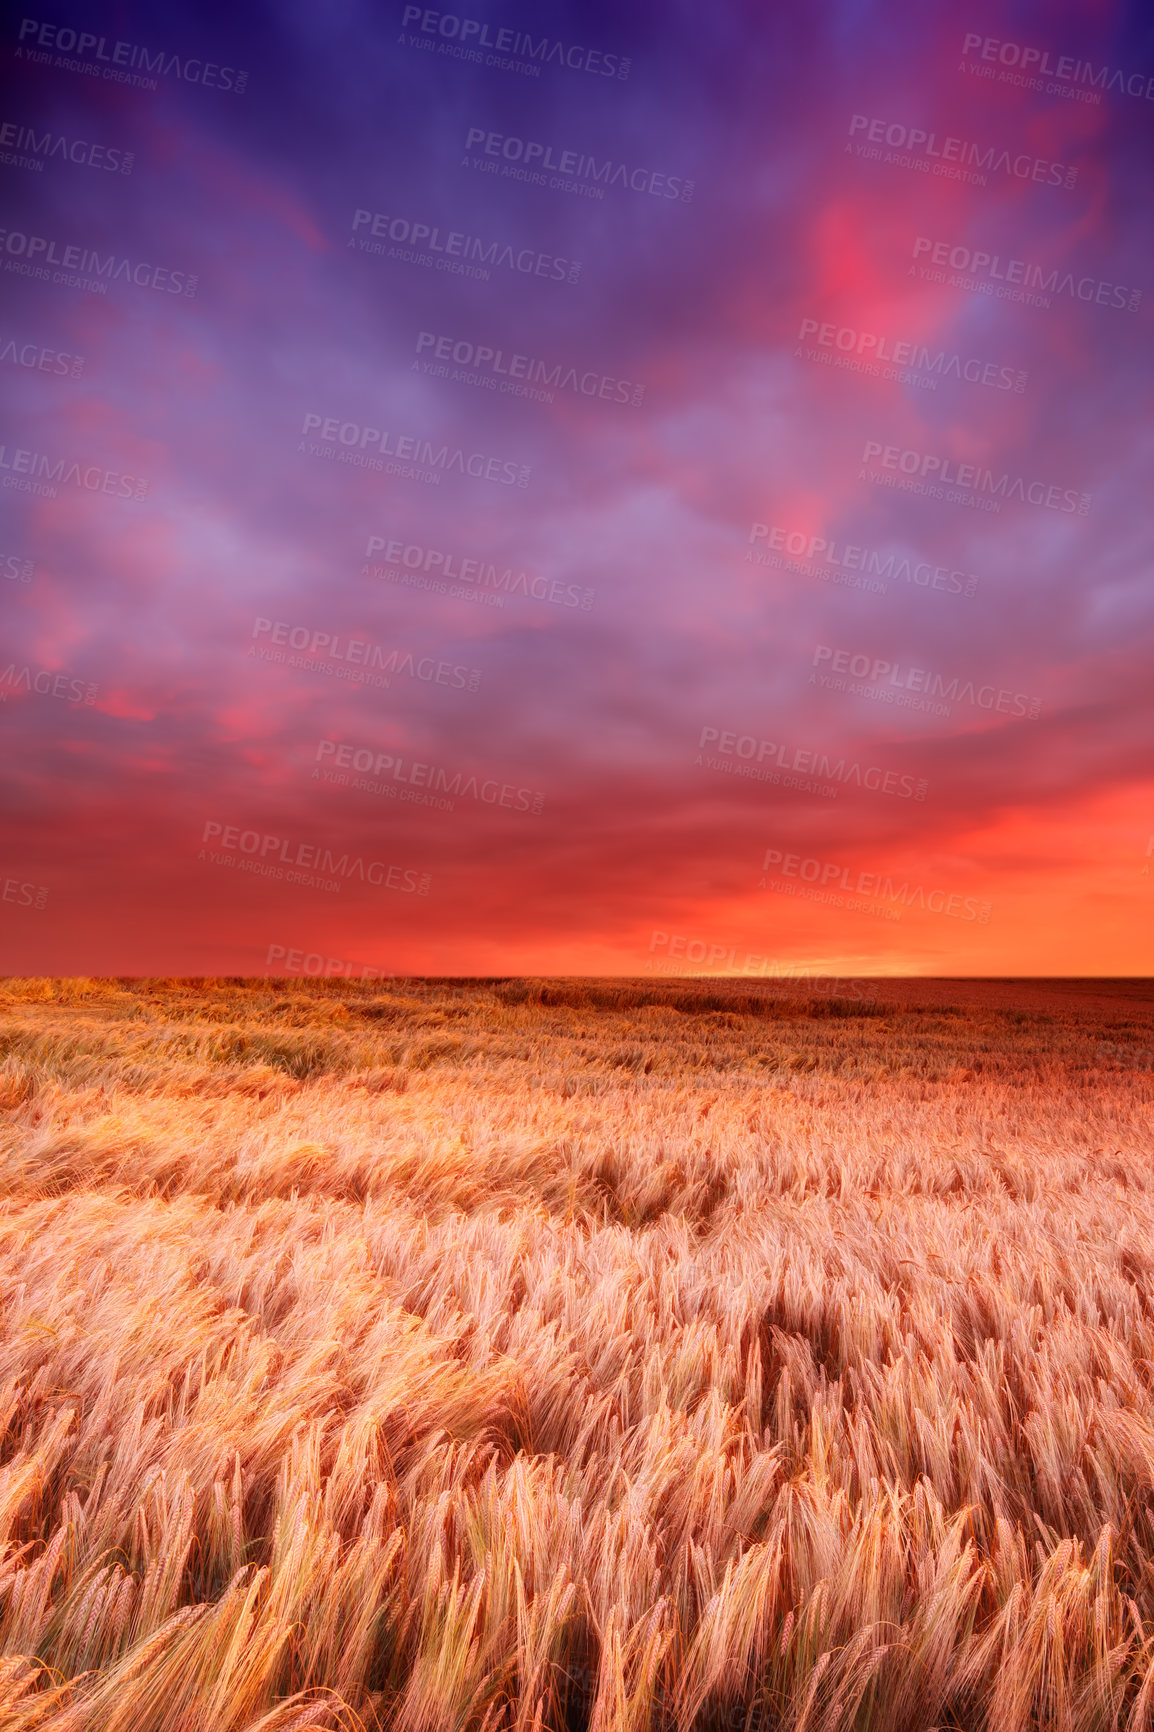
pixel 619 489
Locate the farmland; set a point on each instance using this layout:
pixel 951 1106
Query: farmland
pixel 468 1355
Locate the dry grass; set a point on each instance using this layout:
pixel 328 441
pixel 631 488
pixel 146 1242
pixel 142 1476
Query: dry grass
pixel 560 1357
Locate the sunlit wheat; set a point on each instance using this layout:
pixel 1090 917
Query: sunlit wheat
pixel 526 1359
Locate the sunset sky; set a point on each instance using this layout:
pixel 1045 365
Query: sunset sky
pixel 590 489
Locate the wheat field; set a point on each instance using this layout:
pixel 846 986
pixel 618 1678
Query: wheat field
pixel 472 1355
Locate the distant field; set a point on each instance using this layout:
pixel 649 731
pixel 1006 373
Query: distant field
pixel 463 1356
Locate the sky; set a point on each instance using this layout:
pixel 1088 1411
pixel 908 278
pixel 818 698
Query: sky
pixel 602 489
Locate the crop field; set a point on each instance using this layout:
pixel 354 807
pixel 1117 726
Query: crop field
pixel 473 1355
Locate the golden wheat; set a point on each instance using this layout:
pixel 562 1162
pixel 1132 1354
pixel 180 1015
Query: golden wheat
pixel 545 1356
